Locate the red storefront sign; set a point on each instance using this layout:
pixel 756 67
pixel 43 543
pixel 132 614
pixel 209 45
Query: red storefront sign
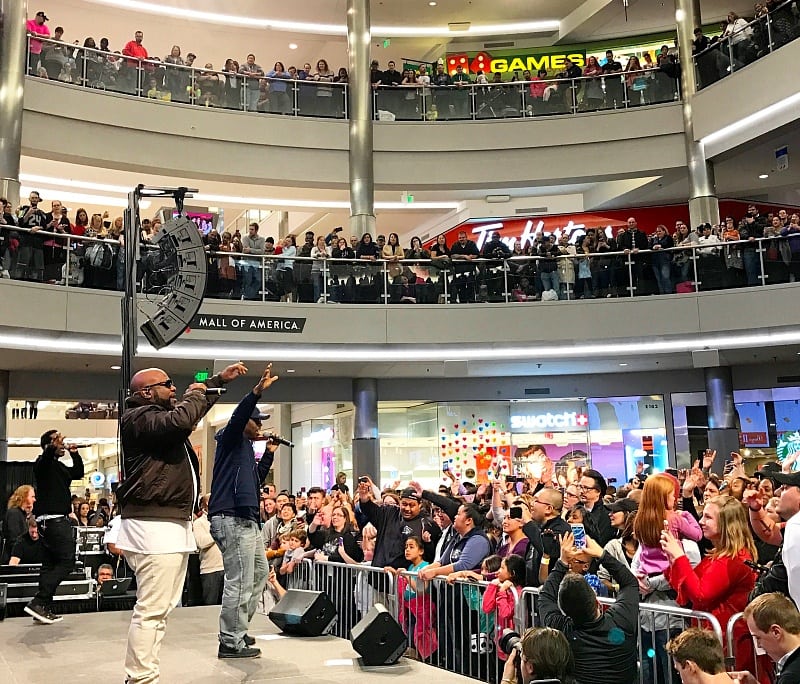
pixel 525 229
pixel 755 439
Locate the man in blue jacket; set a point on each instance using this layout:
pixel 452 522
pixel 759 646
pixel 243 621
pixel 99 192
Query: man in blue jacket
pixel 234 515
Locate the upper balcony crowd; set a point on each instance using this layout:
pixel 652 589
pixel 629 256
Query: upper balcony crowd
pixel 51 247
pixel 422 91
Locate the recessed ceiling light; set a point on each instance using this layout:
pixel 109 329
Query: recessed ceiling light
pixel 116 367
pixel 292 46
pixel 623 364
pixel 432 3
pixel 290 370
pixel 762 176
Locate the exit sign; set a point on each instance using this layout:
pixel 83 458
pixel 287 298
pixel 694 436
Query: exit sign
pixel 201 376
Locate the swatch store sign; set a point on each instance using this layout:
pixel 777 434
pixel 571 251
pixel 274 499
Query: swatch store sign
pixel 558 421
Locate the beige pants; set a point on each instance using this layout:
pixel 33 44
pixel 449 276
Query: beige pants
pixel 159 580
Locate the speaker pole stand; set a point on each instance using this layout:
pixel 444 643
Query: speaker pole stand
pixel 129 327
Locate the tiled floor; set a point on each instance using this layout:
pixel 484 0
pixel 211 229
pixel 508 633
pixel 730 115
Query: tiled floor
pixel 91 648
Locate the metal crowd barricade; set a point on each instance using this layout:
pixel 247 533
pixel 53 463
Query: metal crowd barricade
pixel 730 646
pixel 353 589
pixel 657 624
pixel 302 577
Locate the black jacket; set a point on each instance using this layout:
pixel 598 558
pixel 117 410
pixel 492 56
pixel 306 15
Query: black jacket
pixel 790 674
pixel 393 530
pixel 545 538
pixel 237 478
pixel 14 526
pixel 52 482
pixel 160 471
pixel 598 524
pixel 605 650
pixel 633 240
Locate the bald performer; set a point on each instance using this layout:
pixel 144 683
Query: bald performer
pixel 158 495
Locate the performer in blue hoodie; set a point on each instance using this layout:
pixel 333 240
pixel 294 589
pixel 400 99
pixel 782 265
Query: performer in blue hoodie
pixel 235 522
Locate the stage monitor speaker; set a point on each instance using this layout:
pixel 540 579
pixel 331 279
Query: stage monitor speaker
pixel 182 258
pixel 378 638
pixel 304 613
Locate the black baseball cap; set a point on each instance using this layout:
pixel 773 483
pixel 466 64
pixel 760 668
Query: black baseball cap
pixel 258 416
pixel 790 479
pixel 410 493
pixel 624 505
pixel 43 16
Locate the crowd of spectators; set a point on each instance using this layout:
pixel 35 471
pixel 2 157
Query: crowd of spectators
pixel 331 267
pixel 426 91
pixel 742 41
pixel 707 538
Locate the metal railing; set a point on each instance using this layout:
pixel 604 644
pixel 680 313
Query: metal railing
pixel 762 36
pixel 448 626
pixel 279 94
pixel 79 261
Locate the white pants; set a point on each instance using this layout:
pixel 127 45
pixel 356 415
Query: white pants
pixel 159 580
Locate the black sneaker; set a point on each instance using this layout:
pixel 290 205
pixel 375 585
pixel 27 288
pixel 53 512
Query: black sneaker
pixel 249 641
pixel 246 652
pixel 42 614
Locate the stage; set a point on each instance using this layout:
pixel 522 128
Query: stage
pixel 90 647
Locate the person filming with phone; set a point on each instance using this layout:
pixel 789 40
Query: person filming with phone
pixel 604 644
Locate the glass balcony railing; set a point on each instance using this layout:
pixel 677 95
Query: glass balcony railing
pixel 278 94
pixel 766 33
pixel 68 260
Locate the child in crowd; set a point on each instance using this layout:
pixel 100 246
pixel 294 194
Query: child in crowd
pixel 657 512
pixel 414 551
pixel 502 594
pixel 292 544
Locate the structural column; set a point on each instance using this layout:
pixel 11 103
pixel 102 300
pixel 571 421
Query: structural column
pixel 362 179
pixel 723 434
pixel 13 14
pixel 283 224
pixel 5 379
pixel 703 203
pixel 366 445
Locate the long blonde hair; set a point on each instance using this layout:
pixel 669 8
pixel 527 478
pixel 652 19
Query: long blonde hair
pixel 18 497
pixel 734 531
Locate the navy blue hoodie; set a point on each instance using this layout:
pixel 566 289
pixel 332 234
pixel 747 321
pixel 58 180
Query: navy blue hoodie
pixel 236 483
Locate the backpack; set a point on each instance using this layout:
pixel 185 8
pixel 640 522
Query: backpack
pixel 100 256
pixel 533 559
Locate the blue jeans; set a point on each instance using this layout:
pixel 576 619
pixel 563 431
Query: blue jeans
pixel 752 266
pixel 252 281
pixel 246 571
pixel 663 273
pixel 551 281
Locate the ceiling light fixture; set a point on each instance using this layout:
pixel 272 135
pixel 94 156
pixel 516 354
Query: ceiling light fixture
pixel 183 13
pixel 116 367
pixel 432 3
pixel 80 198
pixel 292 46
pixel 55 185
pixel 290 370
pixel 623 364
pixel 762 176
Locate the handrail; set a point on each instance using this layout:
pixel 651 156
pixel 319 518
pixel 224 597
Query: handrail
pixel 267 277
pixel 93 68
pixel 751 51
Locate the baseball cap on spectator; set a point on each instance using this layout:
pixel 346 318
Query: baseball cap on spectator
pixel 410 493
pixel 624 506
pixel 43 16
pixel 790 479
pixel 768 469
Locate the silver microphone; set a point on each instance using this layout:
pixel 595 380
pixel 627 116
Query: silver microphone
pixel 215 391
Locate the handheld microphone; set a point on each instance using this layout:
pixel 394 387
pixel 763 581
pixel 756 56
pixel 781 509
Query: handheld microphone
pixel 215 391
pixel 279 440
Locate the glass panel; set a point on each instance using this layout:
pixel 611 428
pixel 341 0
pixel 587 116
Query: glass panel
pixel 632 427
